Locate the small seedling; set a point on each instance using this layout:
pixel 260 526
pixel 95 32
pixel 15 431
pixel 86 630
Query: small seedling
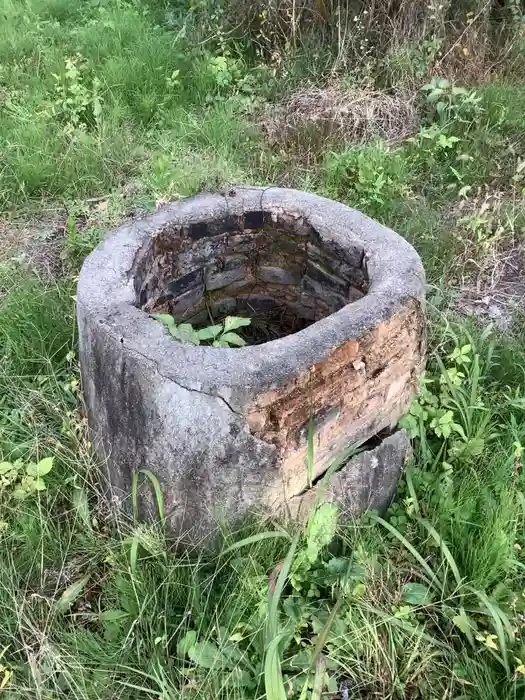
pixel 220 335
pixel 21 481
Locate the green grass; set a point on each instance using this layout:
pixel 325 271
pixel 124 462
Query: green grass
pixel 426 602
pixel 84 128
pixel 96 606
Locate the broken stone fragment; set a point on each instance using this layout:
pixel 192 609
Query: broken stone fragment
pixel 366 481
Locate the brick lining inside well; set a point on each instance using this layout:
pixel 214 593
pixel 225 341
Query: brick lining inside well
pixel 248 265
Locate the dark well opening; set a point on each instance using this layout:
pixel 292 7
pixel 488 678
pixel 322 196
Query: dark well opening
pixel 273 268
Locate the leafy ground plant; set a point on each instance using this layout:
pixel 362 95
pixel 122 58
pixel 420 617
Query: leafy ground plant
pixel 114 106
pixel 19 480
pixel 424 601
pixel 219 335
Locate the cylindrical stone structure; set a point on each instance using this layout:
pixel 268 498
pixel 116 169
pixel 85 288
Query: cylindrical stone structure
pixel 337 345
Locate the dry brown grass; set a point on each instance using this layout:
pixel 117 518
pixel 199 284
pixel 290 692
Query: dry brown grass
pixel 35 241
pixel 357 27
pixel 13 236
pixel 492 281
pixel 311 118
pixel 497 289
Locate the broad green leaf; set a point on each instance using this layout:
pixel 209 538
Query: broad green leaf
pixel 332 685
pixel 39 485
pixel 231 654
pixel 415 594
pixel 301 661
pixel 236 637
pixel 231 323
pixel 238 678
pixel 411 424
pixel 8 673
pixel 186 643
pixel 31 469
pixel 185 333
pixel 5 467
pixel 206 655
pixel 166 319
pixel 113 616
pixel 40 469
pixel 359 590
pixel 338 566
pixel 71 594
pixel 220 344
pixel 464 623
pixel 321 529
pixel 233 339
pixel 434 96
pixel 209 332
pixel 19 494
pixel 81 505
pixel 44 466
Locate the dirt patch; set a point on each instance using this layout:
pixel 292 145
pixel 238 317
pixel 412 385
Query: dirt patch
pixel 492 284
pixel 12 239
pixel 37 243
pixel 312 117
pixel 498 290
pixel 50 243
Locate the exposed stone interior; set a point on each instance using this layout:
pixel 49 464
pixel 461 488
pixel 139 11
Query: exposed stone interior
pixel 270 266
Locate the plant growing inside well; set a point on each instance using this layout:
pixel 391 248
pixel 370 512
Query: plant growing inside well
pixel 219 335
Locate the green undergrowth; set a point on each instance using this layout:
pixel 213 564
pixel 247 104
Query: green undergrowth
pixel 427 601
pixel 108 105
pixel 93 92
pixel 128 101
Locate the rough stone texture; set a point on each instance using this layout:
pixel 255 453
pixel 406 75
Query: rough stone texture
pixel 366 481
pixel 225 430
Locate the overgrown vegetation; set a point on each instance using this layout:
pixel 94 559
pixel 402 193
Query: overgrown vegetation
pixel 411 111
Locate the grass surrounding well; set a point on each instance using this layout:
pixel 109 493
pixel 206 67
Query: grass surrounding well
pixel 111 105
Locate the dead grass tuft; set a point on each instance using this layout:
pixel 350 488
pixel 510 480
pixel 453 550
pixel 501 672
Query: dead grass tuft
pixel 493 283
pixel 497 291
pixel 311 118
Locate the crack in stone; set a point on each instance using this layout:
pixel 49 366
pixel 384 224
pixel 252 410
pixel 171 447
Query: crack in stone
pixel 349 455
pixel 182 386
pixel 120 340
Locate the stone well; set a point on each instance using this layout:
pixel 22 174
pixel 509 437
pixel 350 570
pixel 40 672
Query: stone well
pixel 337 334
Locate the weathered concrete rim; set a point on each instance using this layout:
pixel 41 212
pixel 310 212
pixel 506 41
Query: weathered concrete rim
pixel 105 291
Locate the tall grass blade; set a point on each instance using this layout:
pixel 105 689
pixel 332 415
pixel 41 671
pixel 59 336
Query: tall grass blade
pixel 444 548
pixel 320 668
pixel 433 578
pixel 273 677
pixel 274 596
pixel 156 489
pixel 253 539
